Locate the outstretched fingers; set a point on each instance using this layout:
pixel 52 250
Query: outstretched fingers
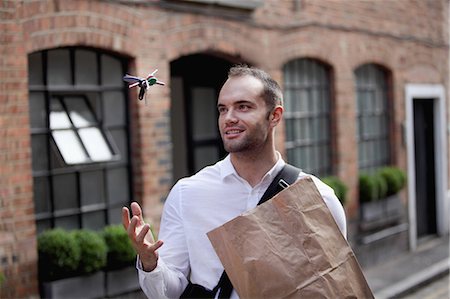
pixel 137 211
pixel 141 236
pixel 156 245
pixel 125 218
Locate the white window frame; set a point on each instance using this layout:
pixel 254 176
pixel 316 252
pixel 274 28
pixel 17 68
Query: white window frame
pixel 435 93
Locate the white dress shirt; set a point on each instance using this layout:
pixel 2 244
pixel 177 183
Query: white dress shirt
pixel 197 205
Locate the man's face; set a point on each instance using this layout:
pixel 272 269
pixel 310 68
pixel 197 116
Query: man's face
pixel 243 121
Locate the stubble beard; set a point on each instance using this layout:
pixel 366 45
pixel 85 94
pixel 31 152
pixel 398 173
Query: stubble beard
pixel 245 145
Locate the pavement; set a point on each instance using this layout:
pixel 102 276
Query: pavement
pixel 410 271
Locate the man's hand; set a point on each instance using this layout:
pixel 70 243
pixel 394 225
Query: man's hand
pixel 142 240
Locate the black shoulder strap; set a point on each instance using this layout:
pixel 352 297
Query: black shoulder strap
pixel 282 180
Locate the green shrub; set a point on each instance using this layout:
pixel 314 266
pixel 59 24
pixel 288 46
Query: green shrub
pixel 394 180
pixel 93 251
pixel 340 189
pixel 402 175
pixel 381 185
pixel 120 251
pixel 386 181
pixel 368 190
pixel 59 254
pixel 2 278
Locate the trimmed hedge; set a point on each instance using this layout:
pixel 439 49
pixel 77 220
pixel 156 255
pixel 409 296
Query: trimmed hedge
pixel 367 188
pixel 395 179
pixel 340 189
pixel 59 254
pixel 65 254
pixel 385 182
pixel 120 251
pixel 93 251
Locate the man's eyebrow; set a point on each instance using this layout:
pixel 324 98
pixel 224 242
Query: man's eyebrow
pixel 240 102
pixel 237 103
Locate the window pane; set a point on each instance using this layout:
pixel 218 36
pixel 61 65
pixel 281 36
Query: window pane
pixel 111 71
pixel 58 67
pixel 35 74
pixel 68 223
pixel 115 215
pixel 372 117
pixel 79 112
pixel 95 103
pixel 308 93
pixel 204 113
pixel 56 159
pixel 85 68
pixel 65 191
pixel 118 189
pixel 288 99
pixel 92 187
pixel 119 136
pixel 204 156
pixel 289 130
pixel 95 144
pixel 70 147
pixel 39 152
pixel 43 225
pixel 301 104
pixel 38 111
pixel 41 192
pixel 94 220
pixel 58 116
pixel 114 104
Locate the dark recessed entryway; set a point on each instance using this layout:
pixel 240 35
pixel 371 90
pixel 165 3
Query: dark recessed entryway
pixel 195 84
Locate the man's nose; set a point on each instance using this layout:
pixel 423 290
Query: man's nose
pixel 230 116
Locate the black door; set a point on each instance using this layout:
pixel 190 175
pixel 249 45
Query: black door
pixel 425 167
pixel 196 81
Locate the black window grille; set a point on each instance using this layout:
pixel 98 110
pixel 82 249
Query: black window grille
pixel 372 117
pixel 307 115
pixel 79 138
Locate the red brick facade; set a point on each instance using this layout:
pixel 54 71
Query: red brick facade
pixel 408 38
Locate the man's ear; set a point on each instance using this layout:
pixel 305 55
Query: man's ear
pixel 276 115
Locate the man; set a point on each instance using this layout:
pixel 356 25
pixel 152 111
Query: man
pixel 250 108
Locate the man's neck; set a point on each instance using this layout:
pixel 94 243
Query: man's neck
pixel 253 166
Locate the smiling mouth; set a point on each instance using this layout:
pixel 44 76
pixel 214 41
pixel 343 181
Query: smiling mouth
pixel 232 132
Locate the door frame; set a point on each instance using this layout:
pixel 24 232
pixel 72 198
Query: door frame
pixel 436 93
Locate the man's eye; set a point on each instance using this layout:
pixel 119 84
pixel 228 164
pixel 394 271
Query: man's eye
pixel 243 107
pixel 221 110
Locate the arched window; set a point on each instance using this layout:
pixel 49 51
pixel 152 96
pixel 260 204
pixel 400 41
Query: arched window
pixel 307 115
pixel 79 138
pixel 372 118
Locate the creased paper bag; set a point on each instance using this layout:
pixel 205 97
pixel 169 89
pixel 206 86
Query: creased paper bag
pixel 289 247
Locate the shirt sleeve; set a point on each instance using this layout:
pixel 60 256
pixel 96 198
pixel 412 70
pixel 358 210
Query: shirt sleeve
pixel 168 279
pixel 332 202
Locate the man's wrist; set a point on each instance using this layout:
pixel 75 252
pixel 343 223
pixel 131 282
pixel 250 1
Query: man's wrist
pixel 144 266
pixel 150 267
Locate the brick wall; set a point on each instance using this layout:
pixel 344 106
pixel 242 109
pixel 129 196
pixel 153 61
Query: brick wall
pixel 17 227
pixel 409 38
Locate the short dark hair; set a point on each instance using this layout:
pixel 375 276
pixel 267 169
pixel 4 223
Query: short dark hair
pixel 272 93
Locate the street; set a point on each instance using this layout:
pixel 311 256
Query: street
pixel 437 289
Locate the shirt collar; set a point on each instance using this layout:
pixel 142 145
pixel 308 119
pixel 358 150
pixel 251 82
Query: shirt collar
pixel 227 169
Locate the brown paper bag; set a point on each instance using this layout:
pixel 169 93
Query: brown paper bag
pixel 289 247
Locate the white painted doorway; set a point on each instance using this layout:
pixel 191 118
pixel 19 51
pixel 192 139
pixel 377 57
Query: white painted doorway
pixel 426 152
